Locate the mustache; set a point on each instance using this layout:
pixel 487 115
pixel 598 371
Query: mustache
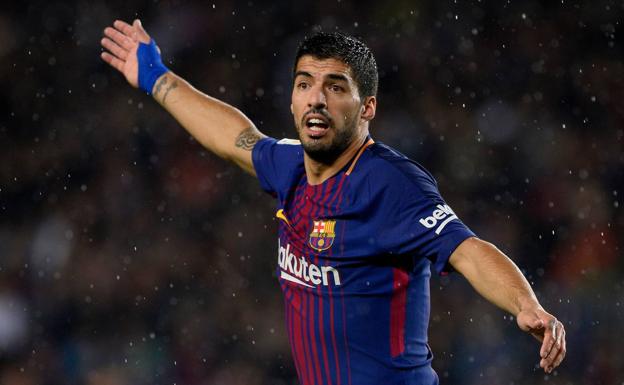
pixel 317 111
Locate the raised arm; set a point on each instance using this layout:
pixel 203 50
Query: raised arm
pixel 218 126
pixel 500 281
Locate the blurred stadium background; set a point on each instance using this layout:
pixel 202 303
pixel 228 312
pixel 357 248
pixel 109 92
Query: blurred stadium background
pixel 129 255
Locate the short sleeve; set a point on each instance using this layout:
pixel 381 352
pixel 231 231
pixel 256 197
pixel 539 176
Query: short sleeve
pixel 275 162
pixel 423 224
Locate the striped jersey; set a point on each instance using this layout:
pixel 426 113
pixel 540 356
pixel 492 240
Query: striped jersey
pixel 355 255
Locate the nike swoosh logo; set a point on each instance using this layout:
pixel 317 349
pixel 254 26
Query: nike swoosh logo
pixel 280 215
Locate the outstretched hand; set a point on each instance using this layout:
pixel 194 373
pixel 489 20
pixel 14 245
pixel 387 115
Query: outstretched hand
pixel 549 331
pixel 122 42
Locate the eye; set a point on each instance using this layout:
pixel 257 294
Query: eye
pixel 302 85
pixel 336 88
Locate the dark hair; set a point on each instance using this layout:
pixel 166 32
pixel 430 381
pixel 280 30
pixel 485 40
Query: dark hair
pixel 347 49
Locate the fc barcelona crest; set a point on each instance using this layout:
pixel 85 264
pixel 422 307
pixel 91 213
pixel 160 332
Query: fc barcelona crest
pixel 322 235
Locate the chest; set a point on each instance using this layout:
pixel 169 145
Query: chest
pixel 330 222
pixel 313 219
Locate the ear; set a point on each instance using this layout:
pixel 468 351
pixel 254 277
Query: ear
pixel 368 108
pixel 291 109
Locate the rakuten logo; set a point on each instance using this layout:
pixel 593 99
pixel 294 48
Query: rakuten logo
pixel 298 270
pixel 442 213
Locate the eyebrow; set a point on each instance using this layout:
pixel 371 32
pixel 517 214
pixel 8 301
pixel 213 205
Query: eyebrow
pixel 338 77
pixel 331 76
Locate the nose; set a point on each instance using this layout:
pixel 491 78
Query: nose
pixel 316 98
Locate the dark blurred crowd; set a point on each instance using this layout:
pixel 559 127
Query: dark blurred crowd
pixel 131 255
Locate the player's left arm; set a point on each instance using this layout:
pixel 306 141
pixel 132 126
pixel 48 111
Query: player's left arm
pixel 499 280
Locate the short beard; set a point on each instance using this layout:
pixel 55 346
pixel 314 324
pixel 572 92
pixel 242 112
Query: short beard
pixel 328 153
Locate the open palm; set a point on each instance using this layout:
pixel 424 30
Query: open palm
pixel 122 42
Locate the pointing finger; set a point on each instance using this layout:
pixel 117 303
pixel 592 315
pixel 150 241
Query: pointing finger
pixel 562 352
pixel 556 349
pixel 553 325
pixel 549 338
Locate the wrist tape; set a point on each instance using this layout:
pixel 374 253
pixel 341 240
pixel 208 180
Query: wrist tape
pixel 151 66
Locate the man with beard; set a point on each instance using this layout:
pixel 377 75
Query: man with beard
pixel 361 226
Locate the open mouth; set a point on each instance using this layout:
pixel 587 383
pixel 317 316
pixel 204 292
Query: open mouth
pixel 316 126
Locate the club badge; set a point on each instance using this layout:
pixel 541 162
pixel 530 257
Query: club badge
pixel 322 235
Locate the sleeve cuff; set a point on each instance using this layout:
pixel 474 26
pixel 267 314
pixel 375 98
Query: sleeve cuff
pixel 454 239
pixel 260 155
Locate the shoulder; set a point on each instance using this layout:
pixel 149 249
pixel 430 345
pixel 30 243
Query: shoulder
pixel 277 163
pixel 387 167
pixel 283 149
pixel 284 144
pixel 389 181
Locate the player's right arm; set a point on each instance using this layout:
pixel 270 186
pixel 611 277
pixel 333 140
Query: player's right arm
pixel 218 126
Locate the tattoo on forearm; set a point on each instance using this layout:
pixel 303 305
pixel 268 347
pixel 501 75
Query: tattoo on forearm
pixel 159 85
pixel 171 86
pixel 248 138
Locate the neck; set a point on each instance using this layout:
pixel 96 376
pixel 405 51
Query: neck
pixel 318 172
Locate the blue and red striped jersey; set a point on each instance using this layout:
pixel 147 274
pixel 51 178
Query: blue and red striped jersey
pixel 355 255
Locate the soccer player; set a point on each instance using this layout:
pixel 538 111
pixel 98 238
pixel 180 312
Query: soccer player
pixel 360 225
